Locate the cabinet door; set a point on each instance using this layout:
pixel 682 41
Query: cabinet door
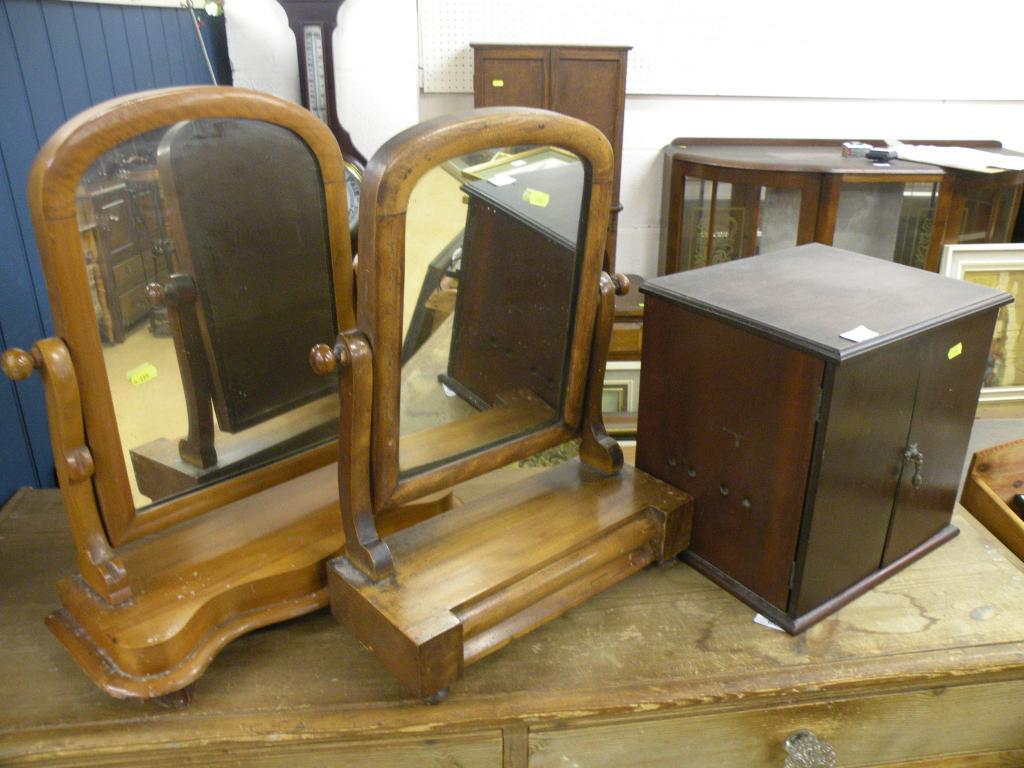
pixel 590 84
pixel 868 408
pixel 510 77
pixel 952 360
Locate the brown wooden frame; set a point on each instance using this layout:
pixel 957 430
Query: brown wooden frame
pixel 52 198
pixel 387 185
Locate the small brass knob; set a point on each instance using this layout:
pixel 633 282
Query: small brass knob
pixel 18 364
pixel 621 284
pixel 322 360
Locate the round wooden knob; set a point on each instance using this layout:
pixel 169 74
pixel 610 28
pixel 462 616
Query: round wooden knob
pixel 155 295
pixel 621 284
pixel 17 363
pixel 322 360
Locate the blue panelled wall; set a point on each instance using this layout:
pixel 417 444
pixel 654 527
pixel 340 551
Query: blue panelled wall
pixel 56 59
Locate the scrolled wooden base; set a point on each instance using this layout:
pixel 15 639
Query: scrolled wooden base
pixel 203 583
pixel 468 582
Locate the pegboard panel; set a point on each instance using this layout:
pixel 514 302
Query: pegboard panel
pixel 796 48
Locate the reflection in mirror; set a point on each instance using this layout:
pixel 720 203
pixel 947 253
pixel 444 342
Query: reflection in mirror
pixel 209 265
pixel 492 254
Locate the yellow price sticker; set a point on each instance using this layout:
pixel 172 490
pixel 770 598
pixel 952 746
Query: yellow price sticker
pixel 536 197
pixel 140 374
pixel 956 350
pixel 498 83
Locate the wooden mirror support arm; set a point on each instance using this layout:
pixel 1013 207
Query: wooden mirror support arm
pixel 352 358
pixel 100 568
pixel 597 448
pixel 179 297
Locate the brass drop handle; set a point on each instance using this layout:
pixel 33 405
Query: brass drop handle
pixel 913 453
pixel 805 750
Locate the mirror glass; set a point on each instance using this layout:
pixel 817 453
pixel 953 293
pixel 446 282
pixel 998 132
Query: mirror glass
pixel 209 267
pixel 492 254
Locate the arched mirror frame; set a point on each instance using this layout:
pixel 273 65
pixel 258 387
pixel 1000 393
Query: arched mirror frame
pixel 387 186
pixel 53 184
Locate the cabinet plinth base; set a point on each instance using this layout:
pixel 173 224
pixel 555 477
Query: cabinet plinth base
pixel 794 625
pixel 468 582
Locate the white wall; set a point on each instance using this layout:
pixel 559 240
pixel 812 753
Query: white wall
pixel 377 75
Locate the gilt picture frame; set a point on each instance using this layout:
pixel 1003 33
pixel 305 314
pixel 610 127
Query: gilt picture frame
pixel 996 265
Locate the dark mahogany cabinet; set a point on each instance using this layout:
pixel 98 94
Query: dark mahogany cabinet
pixel 586 82
pixel 819 465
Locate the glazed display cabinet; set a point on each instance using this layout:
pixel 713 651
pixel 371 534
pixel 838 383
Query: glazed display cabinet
pixel 730 198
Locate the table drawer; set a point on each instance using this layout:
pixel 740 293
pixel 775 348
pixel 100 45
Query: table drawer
pixel 134 305
pixel 952 723
pixel 128 274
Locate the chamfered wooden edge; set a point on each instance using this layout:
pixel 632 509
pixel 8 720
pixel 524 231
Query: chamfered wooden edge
pixel 794 625
pixel 985 505
pixel 52 199
pixel 390 177
pixel 429 654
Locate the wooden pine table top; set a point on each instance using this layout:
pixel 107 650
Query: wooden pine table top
pixel 663 641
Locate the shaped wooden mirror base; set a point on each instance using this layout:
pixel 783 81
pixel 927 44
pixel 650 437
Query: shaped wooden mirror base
pixel 146 622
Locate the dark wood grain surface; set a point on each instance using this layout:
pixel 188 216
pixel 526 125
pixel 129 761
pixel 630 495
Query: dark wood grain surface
pixel 251 230
pixel 803 296
pixel 729 418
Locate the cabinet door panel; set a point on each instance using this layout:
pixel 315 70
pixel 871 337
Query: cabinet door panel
pixel 588 85
pixel 865 431
pixel 516 78
pixel 952 364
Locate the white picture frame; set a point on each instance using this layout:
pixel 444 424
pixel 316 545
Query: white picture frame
pixel 1007 260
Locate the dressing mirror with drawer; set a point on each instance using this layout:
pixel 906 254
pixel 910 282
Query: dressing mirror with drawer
pixel 195 244
pixel 482 332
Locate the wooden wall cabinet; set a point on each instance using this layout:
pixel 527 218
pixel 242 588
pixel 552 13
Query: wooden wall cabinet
pixel 819 465
pixel 730 198
pixel 587 82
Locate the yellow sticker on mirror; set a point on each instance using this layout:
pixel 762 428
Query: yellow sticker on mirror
pixel 536 197
pixel 956 350
pixel 498 83
pixel 140 374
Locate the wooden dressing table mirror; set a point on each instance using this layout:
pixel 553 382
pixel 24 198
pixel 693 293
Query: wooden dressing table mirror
pixel 511 364
pixel 188 536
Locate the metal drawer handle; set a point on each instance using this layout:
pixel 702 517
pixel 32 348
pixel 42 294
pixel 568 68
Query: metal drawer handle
pixel 913 453
pixel 805 750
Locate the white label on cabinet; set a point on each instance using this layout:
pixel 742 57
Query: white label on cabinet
pixel 860 333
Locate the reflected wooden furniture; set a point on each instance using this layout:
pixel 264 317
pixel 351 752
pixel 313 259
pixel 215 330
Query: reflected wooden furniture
pixel 513 292
pixel 995 478
pixel 243 262
pixel 160 590
pixel 587 82
pixel 929 667
pixel 729 198
pixel 121 223
pixel 819 465
pixel 431 600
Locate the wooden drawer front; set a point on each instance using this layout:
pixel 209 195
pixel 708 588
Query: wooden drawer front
pixel 128 274
pixel 133 305
pixel 867 731
pixel 471 750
